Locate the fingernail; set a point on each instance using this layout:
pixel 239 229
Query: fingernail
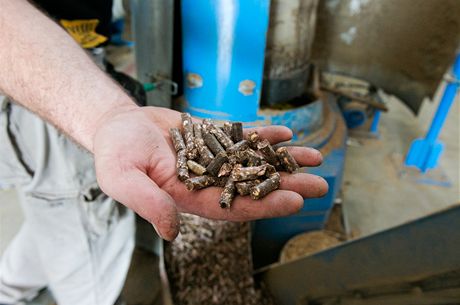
pixel 322 191
pixel 156 230
pixel 318 154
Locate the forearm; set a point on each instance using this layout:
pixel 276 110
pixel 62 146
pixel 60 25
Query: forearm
pixel 42 68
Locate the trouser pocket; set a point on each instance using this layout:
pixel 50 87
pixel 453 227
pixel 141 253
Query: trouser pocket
pixel 13 169
pixel 100 212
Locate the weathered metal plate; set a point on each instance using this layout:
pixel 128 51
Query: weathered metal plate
pixel 401 46
pixel 402 255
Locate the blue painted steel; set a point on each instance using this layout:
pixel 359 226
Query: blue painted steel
pixel 375 122
pixel 303 120
pixel 354 117
pixel 270 235
pixel 224 44
pixel 424 153
pixel 116 37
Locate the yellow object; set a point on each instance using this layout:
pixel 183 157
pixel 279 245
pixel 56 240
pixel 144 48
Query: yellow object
pixel 84 32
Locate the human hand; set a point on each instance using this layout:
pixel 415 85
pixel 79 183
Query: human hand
pixel 136 165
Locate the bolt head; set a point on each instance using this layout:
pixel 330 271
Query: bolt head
pixel 194 80
pixel 247 87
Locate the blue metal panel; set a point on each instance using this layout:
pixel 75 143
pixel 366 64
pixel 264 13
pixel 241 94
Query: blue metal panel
pixel 331 170
pixel 224 48
pixel 270 235
pixel 303 120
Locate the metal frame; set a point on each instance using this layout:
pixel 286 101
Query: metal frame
pixel 404 255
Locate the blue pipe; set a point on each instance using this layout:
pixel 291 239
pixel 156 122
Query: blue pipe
pixel 223 57
pixel 375 123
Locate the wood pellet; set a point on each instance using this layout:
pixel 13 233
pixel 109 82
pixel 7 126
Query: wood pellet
pixel 210 263
pixel 212 155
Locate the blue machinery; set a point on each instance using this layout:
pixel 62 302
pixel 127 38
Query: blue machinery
pixel 224 45
pixel 224 48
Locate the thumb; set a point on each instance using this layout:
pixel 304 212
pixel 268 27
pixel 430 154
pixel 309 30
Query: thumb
pixel 137 191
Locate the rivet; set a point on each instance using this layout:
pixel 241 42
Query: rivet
pixel 194 80
pixel 247 87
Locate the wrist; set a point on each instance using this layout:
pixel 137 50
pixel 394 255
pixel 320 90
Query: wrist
pixel 112 110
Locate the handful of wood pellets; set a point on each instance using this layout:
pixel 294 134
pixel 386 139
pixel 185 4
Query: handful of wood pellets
pixel 220 156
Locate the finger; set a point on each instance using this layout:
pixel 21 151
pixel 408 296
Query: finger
pixel 137 191
pixel 274 134
pixel 307 185
pixel 306 156
pixel 276 204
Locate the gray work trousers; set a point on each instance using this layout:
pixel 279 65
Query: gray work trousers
pixel 75 240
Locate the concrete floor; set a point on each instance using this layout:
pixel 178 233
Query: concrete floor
pixel 375 197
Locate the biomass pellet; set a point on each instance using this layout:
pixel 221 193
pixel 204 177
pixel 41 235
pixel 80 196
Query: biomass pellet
pixel 181 165
pixel 220 181
pixel 237 131
pixel 177 139
pixel 267 151
pixel 225 170
pixel 206 124
pixel 227 128
pixel 214 167
pixel 287 160
pixel 224 159
pixel 210 263
pixel 248 173
pixel 206 155
pixel 187 125
pixel 244 188
pixel 239 146
pixel 212 143
pixel 196 168
pixel 247 156
pixel 253 138
pixel 199 182
pixel 265 187
pixel 220 136
pixel 228 194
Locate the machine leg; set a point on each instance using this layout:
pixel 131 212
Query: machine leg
pixel 424 153
pixel 375 123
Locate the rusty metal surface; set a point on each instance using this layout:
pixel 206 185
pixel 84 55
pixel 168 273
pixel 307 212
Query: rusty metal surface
pixel 288 51
pixel 402 46
pixel 412 252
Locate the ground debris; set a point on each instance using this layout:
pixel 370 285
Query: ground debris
pixel 210 263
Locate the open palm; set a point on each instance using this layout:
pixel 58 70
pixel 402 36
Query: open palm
pixel 135 164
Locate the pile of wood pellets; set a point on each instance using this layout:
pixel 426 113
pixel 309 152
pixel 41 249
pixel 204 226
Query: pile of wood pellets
pixel 210 264
pixel 210 155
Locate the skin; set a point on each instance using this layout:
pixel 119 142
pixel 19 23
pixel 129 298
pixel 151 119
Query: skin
pixel 135 162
